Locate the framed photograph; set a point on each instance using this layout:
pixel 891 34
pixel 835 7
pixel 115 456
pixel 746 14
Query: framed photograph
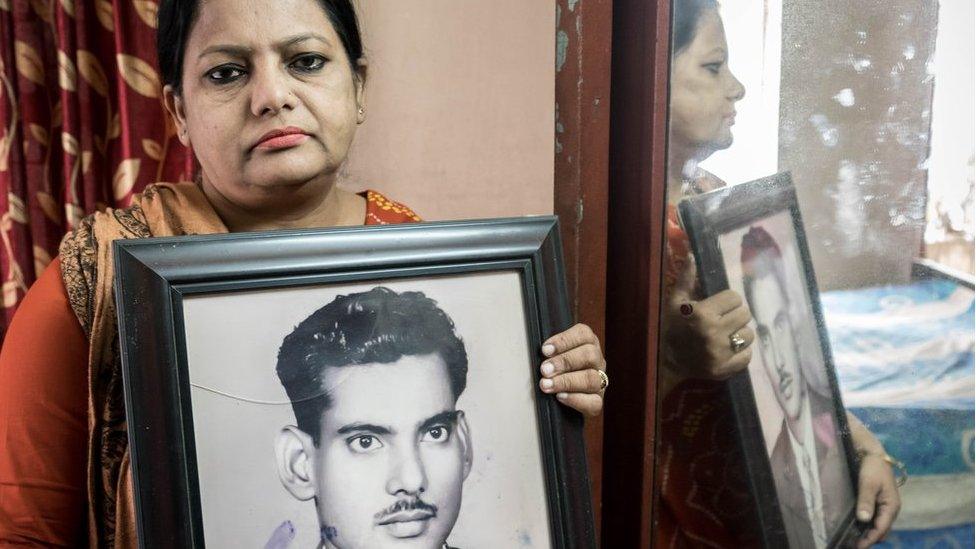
pixel 360 387
pixel 788 408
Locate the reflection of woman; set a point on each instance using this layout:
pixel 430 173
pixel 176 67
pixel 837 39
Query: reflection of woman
pixel 703 497
pixel 269 94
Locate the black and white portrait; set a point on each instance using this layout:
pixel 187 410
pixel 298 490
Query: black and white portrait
pixel 393 413
pixel 790 382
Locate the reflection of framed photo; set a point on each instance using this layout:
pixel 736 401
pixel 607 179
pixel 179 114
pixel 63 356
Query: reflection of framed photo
pixel 788 408
pixel 357 387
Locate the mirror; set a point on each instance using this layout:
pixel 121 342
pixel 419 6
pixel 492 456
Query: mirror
pixel 868 107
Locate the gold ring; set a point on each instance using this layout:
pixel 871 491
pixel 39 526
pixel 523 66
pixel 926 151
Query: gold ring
pixel 738 342
pixel 604 380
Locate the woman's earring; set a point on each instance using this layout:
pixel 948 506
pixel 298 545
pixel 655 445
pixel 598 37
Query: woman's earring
pixel 362 114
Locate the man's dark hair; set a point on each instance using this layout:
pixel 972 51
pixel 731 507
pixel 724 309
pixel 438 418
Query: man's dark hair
pixel 176 19
pixel 761 257
pixel 687 14
pixel 378 326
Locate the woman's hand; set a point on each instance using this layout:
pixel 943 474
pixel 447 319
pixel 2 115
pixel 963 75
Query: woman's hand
pixel 878 501
pixel 572 369
pixel 699 334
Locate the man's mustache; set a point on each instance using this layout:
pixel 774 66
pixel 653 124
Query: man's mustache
pixel 411 504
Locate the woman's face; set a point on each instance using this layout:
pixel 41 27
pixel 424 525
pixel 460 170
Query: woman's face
pixel 703 90
pixel 270 102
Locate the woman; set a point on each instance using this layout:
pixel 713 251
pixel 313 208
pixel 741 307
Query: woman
pixel 708 340
pixel 268 93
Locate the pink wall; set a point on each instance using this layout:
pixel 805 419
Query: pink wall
pixel 460 106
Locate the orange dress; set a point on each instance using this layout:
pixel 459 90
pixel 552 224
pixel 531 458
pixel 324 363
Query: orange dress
pixel 44 405
pixel 701 484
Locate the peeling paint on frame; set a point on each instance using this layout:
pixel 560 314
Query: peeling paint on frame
pixel 562 42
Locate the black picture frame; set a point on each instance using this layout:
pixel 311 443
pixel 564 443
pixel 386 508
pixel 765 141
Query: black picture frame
pixel 706 217
pixel 154 275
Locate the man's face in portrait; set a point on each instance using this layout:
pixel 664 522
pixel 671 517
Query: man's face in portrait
pixel 392 456
pixel 777 342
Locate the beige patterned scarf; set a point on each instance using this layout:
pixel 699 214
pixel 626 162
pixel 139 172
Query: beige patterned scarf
pixel 163 209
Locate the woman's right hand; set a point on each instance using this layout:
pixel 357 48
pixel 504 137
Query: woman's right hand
pixel 698 333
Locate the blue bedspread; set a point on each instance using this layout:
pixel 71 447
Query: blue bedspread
pixel 903 346
pixel 905 363
pixel 953 537
pixel 940 441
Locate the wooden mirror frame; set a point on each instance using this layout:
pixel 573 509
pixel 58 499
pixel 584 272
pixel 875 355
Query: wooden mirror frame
pixel 636 214
pixel 581 190
pixel 610 195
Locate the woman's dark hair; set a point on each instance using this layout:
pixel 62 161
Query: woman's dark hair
pixel 685 19
pixel 176 19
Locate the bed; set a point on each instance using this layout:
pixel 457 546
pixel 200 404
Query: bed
pixel 905 363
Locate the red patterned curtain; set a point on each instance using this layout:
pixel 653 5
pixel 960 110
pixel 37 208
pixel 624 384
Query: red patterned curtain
pixel 82 124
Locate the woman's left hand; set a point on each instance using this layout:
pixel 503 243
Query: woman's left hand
pixel 574 369
pixel 878 501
